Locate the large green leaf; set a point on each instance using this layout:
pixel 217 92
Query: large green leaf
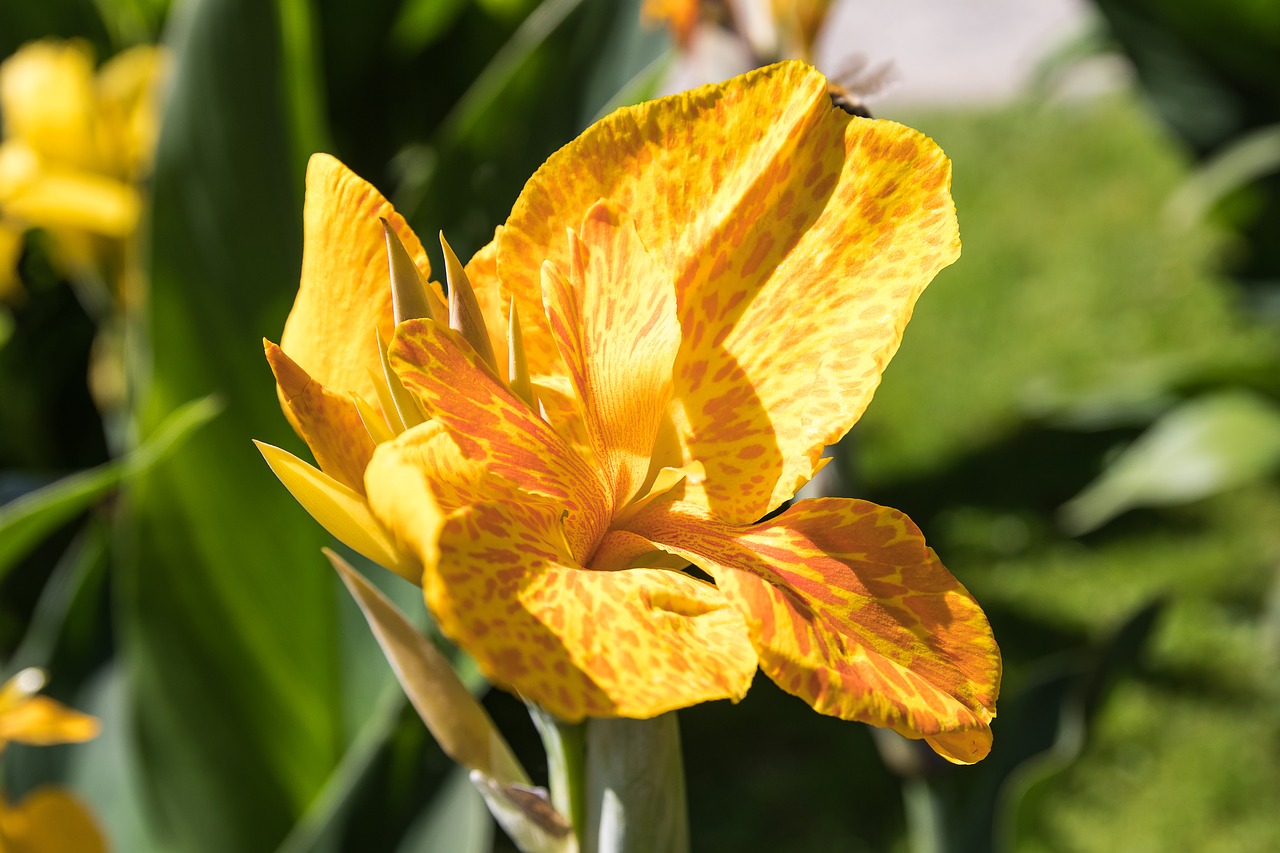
pixel 27 520
pixel 228 619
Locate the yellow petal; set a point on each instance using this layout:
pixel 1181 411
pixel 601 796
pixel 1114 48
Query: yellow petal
pixel 345 287
pixel 458 722
pixel 42 721
pixel 340 510
pixel 577 642
pixel 798 239
pixel 329 423
pixel 614 322
pixel 852 612
pixel 493 426
pixel 128 117
pixel 49 820
pixel 62 198
pixel 47 99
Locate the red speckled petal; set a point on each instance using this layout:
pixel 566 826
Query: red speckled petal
pixel 614 320
pixel 633 643
pixel 797 238
pixel 852 612
pixel 494 427
pixel 329 423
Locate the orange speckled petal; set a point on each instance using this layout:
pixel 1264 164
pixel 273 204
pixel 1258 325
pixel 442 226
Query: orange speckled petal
pixel 43 722
pixel 614 321
pixel 345 288
pixel 496 428
pixel 798 238
pixel 329 423
pixel 852 612
pixel 49 820
pixel 809 309
pixel 633 643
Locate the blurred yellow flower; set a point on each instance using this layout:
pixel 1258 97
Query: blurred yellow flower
pixel 74 148
pixel 48 820
pixel 686 304
pixel 776 29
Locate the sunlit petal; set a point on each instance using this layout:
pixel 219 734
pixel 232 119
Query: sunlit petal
pixel 492 425
pixel 580 642
pixel 614 321
pixel 852 612
pixel 342 511
pixel 344 293
pixel 798 239
pixel 328 422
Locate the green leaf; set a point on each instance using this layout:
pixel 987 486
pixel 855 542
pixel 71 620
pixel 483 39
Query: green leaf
pixel 26 521
pixel 457 821
pixel 227 615
pixel 1202 447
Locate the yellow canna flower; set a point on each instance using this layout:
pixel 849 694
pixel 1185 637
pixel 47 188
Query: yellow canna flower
pixel 48 820
pixel 686 304
pixel 74 148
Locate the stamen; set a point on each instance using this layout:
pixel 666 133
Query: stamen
pixel 517 364
pixel 464 311
pixel 408 291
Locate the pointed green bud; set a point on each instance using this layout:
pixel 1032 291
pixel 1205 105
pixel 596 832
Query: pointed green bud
pixel 408 290
pixel 517 364
pixel 407 407
pixel 464 311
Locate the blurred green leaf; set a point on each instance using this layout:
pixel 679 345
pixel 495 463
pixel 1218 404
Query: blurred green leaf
pixel 105 770
pixel 458 821
pixel 1202 447
pixel 421 22
pixel 227 616
pixel 26 521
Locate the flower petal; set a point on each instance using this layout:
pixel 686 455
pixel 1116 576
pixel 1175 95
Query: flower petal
pixel 614 321
pixel 852 612
pixel 64 198
pixel 329 423
pixel 47 98
pixel 49 820
pixel 493 426
pixel 342 511
pixel 42 721
pixel 345 292
pixel 577 642
pixel 797 237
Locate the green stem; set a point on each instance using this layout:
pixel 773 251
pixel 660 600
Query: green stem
pixel 565 744
pixel 635 787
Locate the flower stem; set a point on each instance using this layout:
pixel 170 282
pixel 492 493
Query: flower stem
pixel 635 790
pixel 564 744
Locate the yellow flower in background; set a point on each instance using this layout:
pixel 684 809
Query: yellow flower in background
pixel 48 820
pixel 686 304
pixel 781 29
pixel 74 148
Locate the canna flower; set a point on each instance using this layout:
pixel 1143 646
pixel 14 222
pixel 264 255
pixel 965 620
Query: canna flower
pixel 74 149
pixel 48 820
pixel 685 305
